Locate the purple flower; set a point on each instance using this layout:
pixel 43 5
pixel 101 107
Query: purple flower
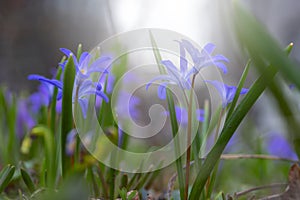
pixel 83 85
pixel 181 77
pixel 277 145
pixel 203 58
pixel 41 98
pixel 84 67
pixel 175 76
pixel 24 120
pixel 85 88
pixel 227 92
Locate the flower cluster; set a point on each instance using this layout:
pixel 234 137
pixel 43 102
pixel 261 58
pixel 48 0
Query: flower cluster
pixel 83 83
pixel 201 59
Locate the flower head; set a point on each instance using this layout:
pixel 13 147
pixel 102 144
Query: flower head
pixel 203 58
pixel 227 92
pixel 182 77
pixel 86 88
pixel 84 65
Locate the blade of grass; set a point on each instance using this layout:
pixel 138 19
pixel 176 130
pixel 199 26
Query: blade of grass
pixel 6 176
pixel 27 180
pixel 67 113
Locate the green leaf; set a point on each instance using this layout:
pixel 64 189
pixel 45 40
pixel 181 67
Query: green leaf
pixel 6 176
pixel 27 180
pixel 67 113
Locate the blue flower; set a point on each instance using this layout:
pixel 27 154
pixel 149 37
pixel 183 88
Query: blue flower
pixel 85 88
pixel 278 145
pixel 204 58
pixel 84 67
pixel 181 77
pixel 41 98
pixel 24 120
pixel 227 92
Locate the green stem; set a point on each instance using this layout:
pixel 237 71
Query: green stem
pixel 189 131
pixel 53 103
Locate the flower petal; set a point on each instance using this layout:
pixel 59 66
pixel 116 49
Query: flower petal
pixel 161 91
pixel 97 66
pixel 222 66
pixel 66 51
pixel 208 48
pixel 54 82
pixel 160 77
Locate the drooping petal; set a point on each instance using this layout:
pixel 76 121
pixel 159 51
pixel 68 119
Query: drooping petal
pixel 227 92
pixel 244 91
pixel 220 58
pixel 222 66
pixel 102 95
pixel 230 92
pixel 160 77
pixel 69 53
pixel 161 91
pixel 66 51
pixel 208 48
pixel 54 82
pixel 99 65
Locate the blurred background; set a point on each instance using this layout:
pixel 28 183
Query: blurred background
pixel 31 32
